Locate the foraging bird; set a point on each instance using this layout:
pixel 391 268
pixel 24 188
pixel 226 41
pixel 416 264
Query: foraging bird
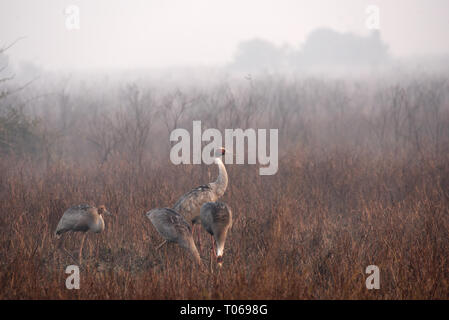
pixel 216 219
pixel 173 227
pixel 189 204
pixel 82 218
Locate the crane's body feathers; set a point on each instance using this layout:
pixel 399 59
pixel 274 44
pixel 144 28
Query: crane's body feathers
pixel 216 219
pixel 170 224
pixel 81 218
pixel 190 203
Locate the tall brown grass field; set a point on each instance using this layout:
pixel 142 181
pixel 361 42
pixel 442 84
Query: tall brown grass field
pixel 363 180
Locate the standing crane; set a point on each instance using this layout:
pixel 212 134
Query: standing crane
pixel 190 203
pixel 81 218
pixel 216 219
pixel 173 227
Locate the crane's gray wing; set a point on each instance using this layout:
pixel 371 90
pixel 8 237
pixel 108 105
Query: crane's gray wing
pixel 75 218
pixel 170 224
pixel 190 203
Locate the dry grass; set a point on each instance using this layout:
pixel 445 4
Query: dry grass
pixel 306 233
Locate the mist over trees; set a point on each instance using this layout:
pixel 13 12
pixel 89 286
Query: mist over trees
pixel 18 131
pixel 61 116
pixel 328 47
pixel 324 49
pixel 259 55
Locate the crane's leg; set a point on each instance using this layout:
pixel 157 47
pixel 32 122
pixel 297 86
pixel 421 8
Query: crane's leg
pixel 198 236
pixel 80 256
pixel 167 261
pixel 212 252
pixel 160 246
pixel 62 246
pixel 210 262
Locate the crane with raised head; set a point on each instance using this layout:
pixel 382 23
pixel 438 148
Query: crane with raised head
pixel 190 203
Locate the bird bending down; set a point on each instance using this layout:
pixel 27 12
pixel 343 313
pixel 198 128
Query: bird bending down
pixel 81 218
pixel 190 203
pixel 216 219
pixel 173 227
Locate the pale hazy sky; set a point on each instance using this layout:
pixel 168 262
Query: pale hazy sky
pixel 160 33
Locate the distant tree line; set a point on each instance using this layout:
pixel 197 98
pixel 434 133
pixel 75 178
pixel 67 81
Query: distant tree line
pixel 323 48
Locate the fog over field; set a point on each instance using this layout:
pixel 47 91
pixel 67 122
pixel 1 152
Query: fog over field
pixel 357 92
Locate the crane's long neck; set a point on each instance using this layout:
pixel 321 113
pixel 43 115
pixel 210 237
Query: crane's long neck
pixel 99 225
pixel 222 181
pixel 220 241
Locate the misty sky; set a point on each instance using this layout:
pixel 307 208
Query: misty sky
pixel 159 33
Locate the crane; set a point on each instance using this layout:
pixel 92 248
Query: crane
pixel 216 219
pixel 81 218
pixel 173 227
pixel 190 203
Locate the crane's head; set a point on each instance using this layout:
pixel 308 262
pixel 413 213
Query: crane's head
pixel 220 261
pixel 219 152
pixel 102 210
pixel 196 220
pixel 220 248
